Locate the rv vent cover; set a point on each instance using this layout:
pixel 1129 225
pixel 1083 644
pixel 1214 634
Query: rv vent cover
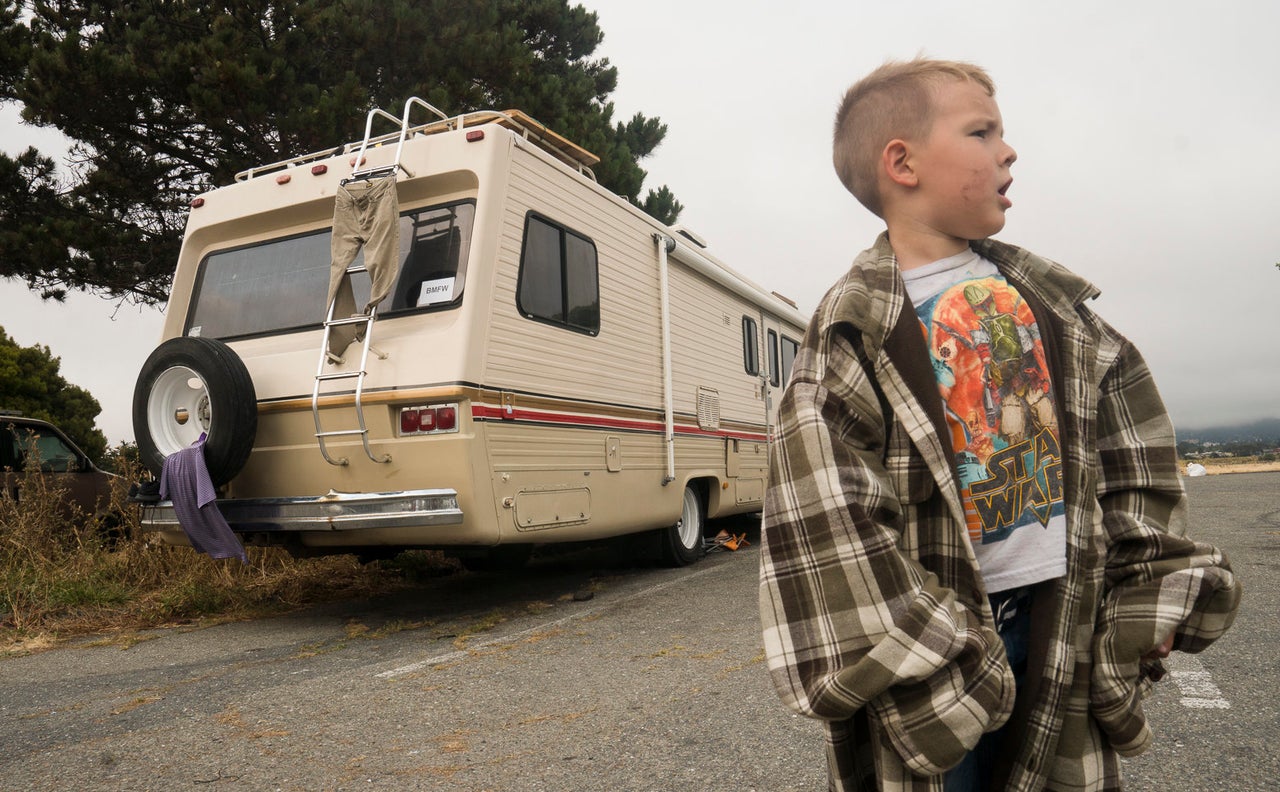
pixel 708 408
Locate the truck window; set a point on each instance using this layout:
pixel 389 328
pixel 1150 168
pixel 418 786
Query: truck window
pixel 55 455
pixel 750 346
pixel 559 277
pixel 279 285
pixel 10 454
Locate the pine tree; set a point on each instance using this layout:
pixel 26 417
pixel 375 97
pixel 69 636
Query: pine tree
pixel 165 99
pixel 31 383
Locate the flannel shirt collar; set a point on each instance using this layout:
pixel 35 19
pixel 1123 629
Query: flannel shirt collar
pixel 1059 289
pixel 871 295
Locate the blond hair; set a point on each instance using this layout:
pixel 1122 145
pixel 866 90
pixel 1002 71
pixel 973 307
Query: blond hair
pixel 893 102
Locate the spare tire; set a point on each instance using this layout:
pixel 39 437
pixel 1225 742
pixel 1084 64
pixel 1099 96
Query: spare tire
pixel 190 386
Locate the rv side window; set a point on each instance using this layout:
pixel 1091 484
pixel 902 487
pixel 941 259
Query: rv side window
pixel 280 285
pixel 789 349
pixel 559 277
pixel 773 359
pixel 750 346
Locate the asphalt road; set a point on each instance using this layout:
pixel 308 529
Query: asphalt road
pixel 588 671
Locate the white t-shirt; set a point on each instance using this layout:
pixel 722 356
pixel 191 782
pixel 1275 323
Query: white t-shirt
pixel 985 348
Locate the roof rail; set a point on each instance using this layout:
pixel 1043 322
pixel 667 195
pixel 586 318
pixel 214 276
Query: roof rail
pixel 527 127
pixel 535 131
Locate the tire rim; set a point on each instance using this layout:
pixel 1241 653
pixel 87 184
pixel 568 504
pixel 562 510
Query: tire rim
pixel 178 409
pixel 690 531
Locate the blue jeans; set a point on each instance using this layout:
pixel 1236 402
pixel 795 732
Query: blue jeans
pixel 1013 622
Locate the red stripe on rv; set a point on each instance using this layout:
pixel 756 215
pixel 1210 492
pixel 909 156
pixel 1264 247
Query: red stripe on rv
pixel 486 412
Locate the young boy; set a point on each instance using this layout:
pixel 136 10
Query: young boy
pixel 974 534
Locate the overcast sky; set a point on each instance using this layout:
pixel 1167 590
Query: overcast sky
pixel 1147 162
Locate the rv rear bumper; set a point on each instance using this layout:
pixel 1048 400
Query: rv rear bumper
pixel 335 511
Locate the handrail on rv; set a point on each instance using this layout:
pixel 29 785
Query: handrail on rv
pixel 403 123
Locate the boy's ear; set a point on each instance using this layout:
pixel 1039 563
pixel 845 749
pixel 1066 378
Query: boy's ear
pixel 896 162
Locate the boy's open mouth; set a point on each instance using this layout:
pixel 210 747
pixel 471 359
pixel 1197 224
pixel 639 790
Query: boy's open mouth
pixel 1004 200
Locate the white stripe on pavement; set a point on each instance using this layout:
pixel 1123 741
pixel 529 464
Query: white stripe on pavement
pixel 551 625
pixel 1195 683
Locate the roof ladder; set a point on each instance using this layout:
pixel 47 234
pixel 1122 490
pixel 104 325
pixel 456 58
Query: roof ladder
pixel 377 171
pixel 358 375
pixel 358 173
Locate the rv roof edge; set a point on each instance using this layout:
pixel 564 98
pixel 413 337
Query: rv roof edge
pixel 737 283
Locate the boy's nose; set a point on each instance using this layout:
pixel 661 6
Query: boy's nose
pixel 1010 156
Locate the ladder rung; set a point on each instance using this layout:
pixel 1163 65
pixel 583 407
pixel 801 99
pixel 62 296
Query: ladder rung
pixel 372 173
pixel 338 375
pixel 355 269
pixel 342 432
pixel 350 320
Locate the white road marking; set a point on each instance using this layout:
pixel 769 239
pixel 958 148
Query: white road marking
pixel 449 657
pixel 1195 683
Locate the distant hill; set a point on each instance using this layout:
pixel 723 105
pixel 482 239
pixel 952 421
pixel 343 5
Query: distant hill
pixel 1266 429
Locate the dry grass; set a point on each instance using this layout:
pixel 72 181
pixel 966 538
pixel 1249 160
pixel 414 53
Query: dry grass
pixel 1250 464
pixel 60 581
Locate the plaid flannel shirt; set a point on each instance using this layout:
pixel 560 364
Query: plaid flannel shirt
pixel 874 615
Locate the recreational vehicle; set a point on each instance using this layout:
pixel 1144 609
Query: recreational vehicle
pixel 549 364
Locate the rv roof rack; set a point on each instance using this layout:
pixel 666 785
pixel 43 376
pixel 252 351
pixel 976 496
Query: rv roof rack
pixel 519 122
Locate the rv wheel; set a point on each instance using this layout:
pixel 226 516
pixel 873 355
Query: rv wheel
pixel 190 386
pixel 682 542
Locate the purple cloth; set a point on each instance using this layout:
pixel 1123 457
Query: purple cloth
pixel 185 480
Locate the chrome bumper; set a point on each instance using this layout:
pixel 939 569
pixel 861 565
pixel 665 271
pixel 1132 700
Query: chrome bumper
pixel 336 511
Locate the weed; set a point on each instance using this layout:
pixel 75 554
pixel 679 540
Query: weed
pixel 61 576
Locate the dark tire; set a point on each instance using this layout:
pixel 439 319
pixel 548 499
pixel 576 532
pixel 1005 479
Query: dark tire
pixel 189 386
pixel 682 542
pixel 113 530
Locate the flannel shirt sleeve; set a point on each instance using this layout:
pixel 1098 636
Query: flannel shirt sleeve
pixel 1157 580
pixel 849 620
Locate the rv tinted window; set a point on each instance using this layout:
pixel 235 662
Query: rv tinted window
pixel 280 285
pixel 559 277
pixel 750 346
pixel 773 359
pixel 789 349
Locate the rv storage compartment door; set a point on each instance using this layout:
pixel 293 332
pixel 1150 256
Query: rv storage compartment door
pixel 549 508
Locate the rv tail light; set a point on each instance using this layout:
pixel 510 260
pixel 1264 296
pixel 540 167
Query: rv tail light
pixel 474 135
pixel 319 170
pixel 196 203
pixel 428 420
pixel 284 178
pixel 409 422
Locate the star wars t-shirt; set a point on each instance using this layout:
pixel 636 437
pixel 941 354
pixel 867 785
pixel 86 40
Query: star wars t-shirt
pixel 989 362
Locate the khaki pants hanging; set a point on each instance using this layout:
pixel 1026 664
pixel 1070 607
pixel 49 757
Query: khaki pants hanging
pixel 365 214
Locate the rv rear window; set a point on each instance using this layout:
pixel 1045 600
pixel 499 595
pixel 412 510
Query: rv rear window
pixel 750 346
pixel 559 277
pixel 280 285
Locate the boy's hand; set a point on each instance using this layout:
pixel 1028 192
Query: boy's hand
pixel 1162 651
